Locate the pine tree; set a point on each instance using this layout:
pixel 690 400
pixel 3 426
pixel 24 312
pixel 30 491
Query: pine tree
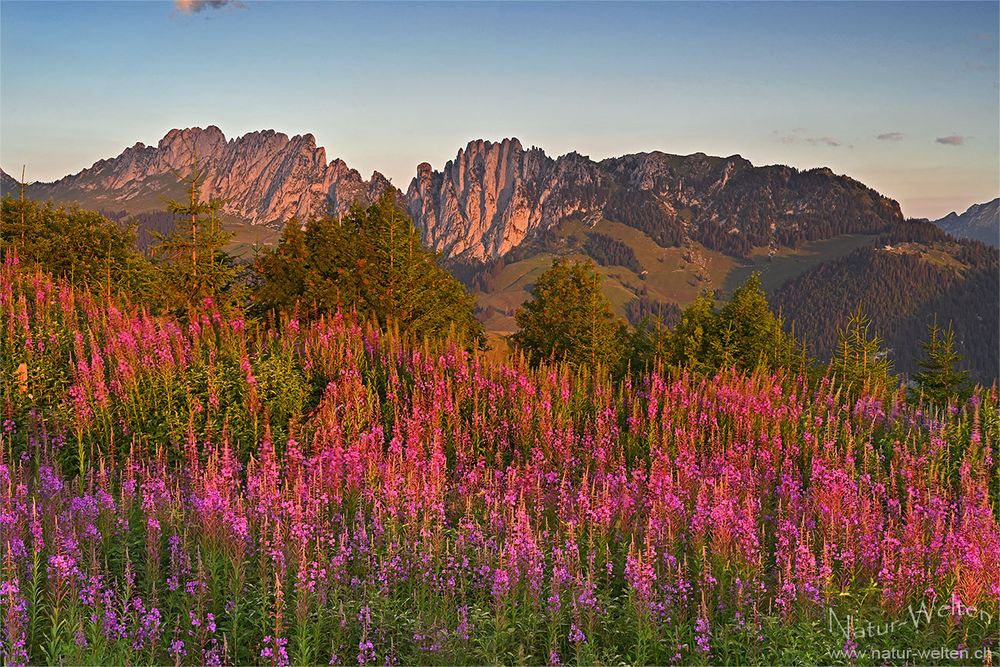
pixel 284 268
pixel 192 263
pixel 744 334
pixel 753 334
pixel 861 362
pixel 939 379
pixel 569 319
pixel 646 344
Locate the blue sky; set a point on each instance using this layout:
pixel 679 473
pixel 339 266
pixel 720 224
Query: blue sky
pixel 386 86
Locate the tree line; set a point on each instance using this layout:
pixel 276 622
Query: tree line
pixel 569 320
pixel 370 261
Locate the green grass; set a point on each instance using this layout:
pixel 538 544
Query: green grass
pixel 246 237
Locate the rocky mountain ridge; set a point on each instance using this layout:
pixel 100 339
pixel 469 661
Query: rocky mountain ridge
pixel 262 177
pixel 494 196
pixel 980 222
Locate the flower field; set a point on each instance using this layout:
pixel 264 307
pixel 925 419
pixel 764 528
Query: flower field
pixel 232 492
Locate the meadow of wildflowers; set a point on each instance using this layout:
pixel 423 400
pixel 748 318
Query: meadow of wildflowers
pixel 231 492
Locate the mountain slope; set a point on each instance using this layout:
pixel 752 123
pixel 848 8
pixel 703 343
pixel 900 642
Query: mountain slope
pixel 914 273
pixel 980 222
pixel 9 184
pixel 662 227
pixel 493 196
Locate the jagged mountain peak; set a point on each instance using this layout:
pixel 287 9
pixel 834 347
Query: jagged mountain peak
pixel 479 145
pixel 262 177
pixel 210 134
pixel 494 196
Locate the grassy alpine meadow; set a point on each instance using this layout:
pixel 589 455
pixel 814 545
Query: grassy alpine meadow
pixel 227 491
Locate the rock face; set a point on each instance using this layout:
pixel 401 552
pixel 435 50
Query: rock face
pixel 980 222
pixel 262 177
pixel 494 196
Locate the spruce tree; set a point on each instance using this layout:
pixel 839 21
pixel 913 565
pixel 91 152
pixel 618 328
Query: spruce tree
pixel 861 362
pixel 647 343
pixel 192 263
pixel 939 378
pixel 370 261
pixel 750 335
pixel 743 335
pixel 691 340
pixel 285 268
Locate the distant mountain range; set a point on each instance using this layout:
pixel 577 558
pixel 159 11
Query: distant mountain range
pixel 662 227
pixel 980 222
pixel 492 196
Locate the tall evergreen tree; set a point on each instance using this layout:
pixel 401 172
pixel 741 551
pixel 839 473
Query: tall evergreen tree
pixel 861 361
pixel 939 378
pixel 642 347
pixel 691 339
pixel 285 268
pixel 193 265
pixel 744 334
pixel 750 335
pixel 569 319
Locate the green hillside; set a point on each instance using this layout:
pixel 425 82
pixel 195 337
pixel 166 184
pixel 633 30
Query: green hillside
pixel 669 275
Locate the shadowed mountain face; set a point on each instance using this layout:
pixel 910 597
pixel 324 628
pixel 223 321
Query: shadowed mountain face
pixel 980 222
pixel 8 184
pixel 494 195
pixel 911 276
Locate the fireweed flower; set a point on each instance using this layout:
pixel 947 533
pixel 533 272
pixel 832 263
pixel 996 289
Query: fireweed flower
pixel 703 635
pixel 177 649
pixel 274 650
pixel 474 486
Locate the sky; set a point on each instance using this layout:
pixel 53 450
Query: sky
pixel 901 96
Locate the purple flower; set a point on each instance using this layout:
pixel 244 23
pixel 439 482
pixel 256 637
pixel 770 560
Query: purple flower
pixel 274 650
pixel 463 623
pixel 177 649
pixel 702 635
pixel 366 652
pixel 62 565
pixel 51 485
